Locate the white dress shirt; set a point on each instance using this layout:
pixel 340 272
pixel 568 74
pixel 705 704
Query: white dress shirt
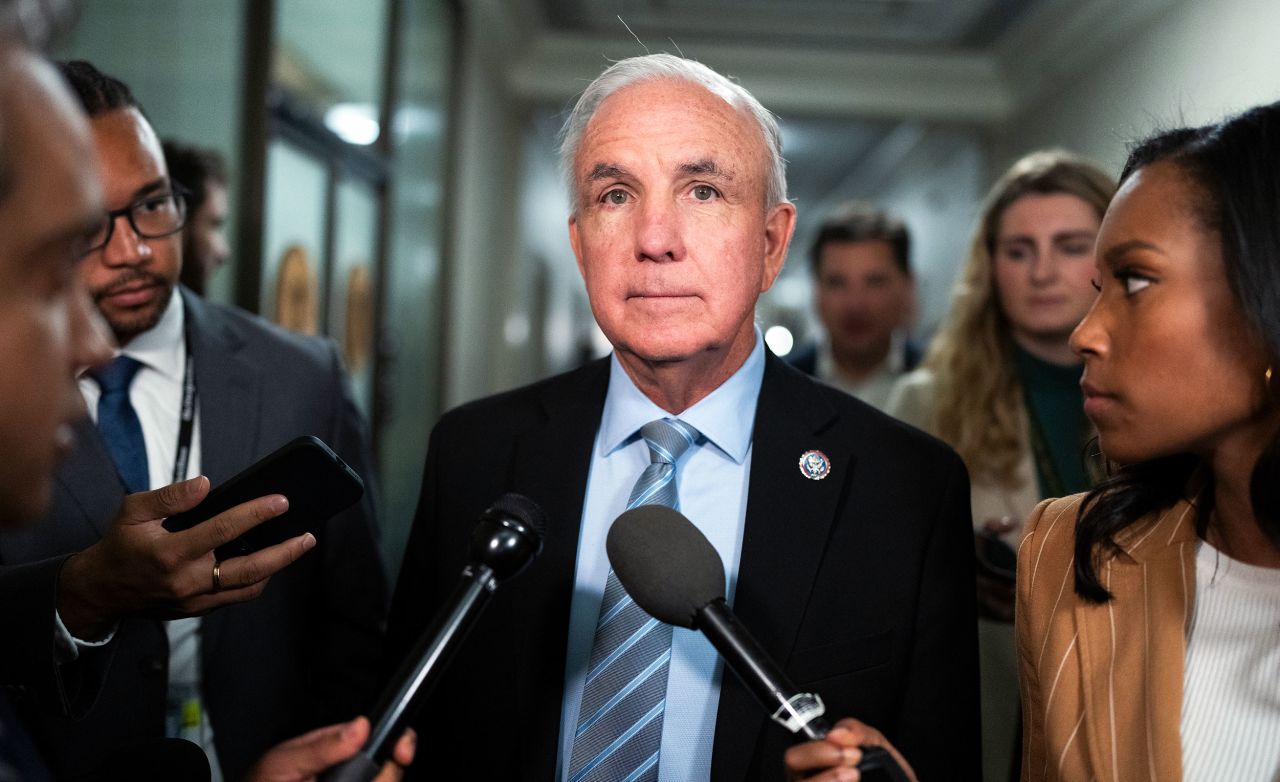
pixel 156 396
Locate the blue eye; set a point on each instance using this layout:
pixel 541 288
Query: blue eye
pixel 616 197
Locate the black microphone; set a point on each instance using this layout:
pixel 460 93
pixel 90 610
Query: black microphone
pixel 507 537
pixel 674 573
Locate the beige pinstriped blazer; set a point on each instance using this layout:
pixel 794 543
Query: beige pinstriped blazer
pixel 1102 684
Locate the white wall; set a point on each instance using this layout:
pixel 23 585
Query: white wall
pixel 1194 63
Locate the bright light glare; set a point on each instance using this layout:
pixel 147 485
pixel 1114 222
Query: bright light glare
pixel 354 123
pixel 779 340
pixel 516 329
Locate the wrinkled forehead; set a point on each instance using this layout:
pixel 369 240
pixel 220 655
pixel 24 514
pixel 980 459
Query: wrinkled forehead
pixel 680 120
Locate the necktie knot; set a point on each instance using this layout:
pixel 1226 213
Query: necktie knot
pixel 115 376
pixel 668 439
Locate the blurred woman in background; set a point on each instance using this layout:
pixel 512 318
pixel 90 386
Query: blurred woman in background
pixel 1148 624
pixel 1000 384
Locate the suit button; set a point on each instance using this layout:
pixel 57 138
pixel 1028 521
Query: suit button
pixel 151 666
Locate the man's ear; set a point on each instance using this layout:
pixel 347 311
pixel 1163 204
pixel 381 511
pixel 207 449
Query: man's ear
pixel 779 224
pixel 576 243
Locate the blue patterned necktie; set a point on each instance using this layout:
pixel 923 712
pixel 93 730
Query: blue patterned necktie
pixel 619 729
pixel 118 422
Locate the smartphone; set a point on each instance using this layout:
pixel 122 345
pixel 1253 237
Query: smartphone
pixel 316 481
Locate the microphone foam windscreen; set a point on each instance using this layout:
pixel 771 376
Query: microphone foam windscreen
pixel 521 508
pixel 665 563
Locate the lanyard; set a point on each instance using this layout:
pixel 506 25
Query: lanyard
pixel 186 414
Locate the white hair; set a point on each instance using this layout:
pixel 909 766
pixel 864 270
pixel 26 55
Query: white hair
pixel 651 67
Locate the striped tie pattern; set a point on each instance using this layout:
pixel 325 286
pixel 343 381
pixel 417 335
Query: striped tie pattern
pixel 619 727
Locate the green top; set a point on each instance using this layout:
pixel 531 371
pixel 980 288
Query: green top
pixel 1059 428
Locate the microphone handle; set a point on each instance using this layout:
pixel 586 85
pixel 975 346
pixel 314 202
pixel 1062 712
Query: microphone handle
pixel 419 674
pixel 798 712
pixel 793 710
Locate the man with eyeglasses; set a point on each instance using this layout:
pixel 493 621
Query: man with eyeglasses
pixel 244 677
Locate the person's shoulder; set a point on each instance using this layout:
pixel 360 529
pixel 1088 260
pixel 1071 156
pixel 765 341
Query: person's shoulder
pixel 530 402
pixel 804 358
pixel 262 336
pixel 886 434
pixel 1049 537
pixel 913 397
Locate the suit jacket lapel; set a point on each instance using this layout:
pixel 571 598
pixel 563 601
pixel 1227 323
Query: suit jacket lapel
pixel 228 389
pixel 787 524
pixel 550 464
pixel 1133 649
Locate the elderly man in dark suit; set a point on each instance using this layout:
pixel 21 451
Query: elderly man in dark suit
pixel 845 535
pixel 244 677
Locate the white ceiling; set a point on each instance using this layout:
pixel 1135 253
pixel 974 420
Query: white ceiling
pixel 829 24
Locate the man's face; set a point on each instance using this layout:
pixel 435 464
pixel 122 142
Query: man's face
pixel 47 327
pixel 671 230
pixel 205 243
pixel 131 278
pixel 863 296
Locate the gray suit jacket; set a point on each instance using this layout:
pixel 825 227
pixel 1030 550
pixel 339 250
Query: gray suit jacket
pixel 301 655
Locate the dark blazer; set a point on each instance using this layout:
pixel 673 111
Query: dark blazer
pixel 305 653
pixel 860 585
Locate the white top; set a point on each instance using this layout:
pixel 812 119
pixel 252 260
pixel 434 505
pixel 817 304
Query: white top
pixel 156 396
pixel 1231 694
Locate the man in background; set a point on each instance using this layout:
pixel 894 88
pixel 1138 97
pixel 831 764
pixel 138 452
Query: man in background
pixel 203 173
pixel 864 293
pixel 239 679
pixel 50 202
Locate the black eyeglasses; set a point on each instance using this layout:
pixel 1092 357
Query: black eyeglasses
pixel 151 217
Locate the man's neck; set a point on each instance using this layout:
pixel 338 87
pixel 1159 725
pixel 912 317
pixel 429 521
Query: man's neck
pixel 859 367
pixel 675 386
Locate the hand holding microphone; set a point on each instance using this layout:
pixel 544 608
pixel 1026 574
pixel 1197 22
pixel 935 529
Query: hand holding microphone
pixel 673 572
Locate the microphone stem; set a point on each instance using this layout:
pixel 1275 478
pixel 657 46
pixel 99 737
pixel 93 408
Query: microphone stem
pixel 421 669
pixel 796 711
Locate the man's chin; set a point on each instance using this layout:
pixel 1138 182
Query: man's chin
pixel 127 325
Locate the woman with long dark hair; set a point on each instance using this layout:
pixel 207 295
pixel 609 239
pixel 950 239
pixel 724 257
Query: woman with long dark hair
pixel 1148 610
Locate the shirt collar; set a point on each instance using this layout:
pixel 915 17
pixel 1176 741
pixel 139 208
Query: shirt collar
pixel 725 417
pixel 162 346
pixel 895 363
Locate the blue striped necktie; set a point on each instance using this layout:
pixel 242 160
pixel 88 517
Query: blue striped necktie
pixel 619 729
pixel 118 422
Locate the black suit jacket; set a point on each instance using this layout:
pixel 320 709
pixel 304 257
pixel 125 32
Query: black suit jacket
pixel 305 653
pixel 860 585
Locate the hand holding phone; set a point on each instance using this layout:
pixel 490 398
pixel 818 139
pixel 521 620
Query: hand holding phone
pixel 139 569
pixel 317 483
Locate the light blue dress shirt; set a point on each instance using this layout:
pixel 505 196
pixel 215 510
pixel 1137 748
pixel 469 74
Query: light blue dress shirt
pixel 712 484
